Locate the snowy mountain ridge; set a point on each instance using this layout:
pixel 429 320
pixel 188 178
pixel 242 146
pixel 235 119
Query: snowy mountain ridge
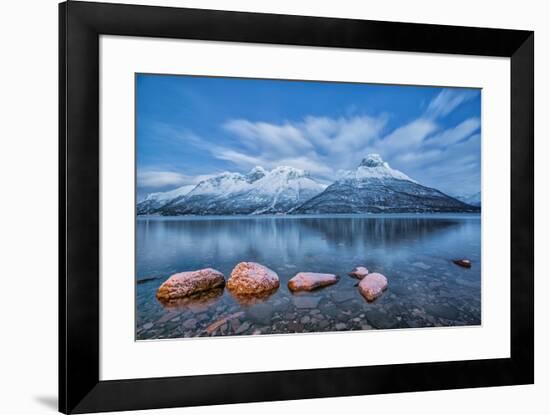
pixel 372 187
pixel 256 192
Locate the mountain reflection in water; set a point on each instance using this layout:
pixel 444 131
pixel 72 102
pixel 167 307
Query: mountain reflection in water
pixel 413 251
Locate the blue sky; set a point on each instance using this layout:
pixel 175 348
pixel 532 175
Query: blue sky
pixel 189 128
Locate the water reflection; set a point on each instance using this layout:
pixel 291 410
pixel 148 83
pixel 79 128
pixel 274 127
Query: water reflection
pixel 198 302
pixel 252 299
pixel 414 252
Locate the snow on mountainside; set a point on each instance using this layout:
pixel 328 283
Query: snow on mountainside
pixel 258 191
pixel 375 187
pixel 153 201
pixel 373 167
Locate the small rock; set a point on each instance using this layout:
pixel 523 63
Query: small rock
pixel 306 301
pixel 466 263
pixel 147 326
pixel 380 320
pixel 340 326
pixel 359 273
pixel 342 296
pixel 305 320
pixel 323 324
pixel 190 324
pixel 260 313
pixel 435 285
pixel 184 284
pixel 252 278
pixel 308 281
pixel 372 286
pixel 201 317
pixel 242 328
pixel 221 322
pixel 166 317
pixel 235 324
pixel 292 326
pixel 422 265
pixel 444 311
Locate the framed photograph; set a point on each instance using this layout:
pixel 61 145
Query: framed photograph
pixel 260 207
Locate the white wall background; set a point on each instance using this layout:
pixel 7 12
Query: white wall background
pixel 28 204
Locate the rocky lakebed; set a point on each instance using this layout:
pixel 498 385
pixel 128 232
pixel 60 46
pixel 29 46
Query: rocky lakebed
pixel 340 282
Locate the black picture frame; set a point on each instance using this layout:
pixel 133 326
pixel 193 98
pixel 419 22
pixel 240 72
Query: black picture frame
pixel 80 26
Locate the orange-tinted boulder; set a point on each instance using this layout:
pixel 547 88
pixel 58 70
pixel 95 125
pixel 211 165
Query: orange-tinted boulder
pixel 308 281
pixel 249 278
pixel 184 284
pixel 372 286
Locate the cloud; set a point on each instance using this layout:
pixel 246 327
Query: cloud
pixel 320 145
pixel 427 148
pixel 162 179
pixel 406 137
pixel 457 133
pixel 447 101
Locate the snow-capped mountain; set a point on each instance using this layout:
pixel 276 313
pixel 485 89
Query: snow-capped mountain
pixel 472 199
pixel 375 187
pixel 259 191
pixel 154 201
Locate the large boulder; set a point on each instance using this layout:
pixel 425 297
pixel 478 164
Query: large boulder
pixel 185 284
pixel 308 281
pixel 372 286
pixel 251 278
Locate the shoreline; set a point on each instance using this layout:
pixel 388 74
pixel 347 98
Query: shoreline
pixel 404 215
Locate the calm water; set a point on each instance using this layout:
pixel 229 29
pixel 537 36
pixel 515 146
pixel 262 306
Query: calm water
pixel 413 251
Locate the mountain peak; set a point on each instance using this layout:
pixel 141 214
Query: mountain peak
pixel 373 160
pixel 290 172
pixel 256 174
pixel 373 167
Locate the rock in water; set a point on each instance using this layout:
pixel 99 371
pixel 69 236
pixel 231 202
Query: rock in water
pixel 372 286
pixel 308 281
pixel 359 273
pixel 466 263
pixel 306 301
pixel 249 278
pixel 188 283
pixel 216 325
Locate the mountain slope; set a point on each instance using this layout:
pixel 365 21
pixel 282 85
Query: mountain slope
pixel 259 191
pixel 472 199
pixel 374 187
pixel 154 201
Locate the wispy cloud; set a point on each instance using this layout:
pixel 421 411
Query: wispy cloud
pixel 162 179
pixel 157 179
pixel 320 145
pixel 447 101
